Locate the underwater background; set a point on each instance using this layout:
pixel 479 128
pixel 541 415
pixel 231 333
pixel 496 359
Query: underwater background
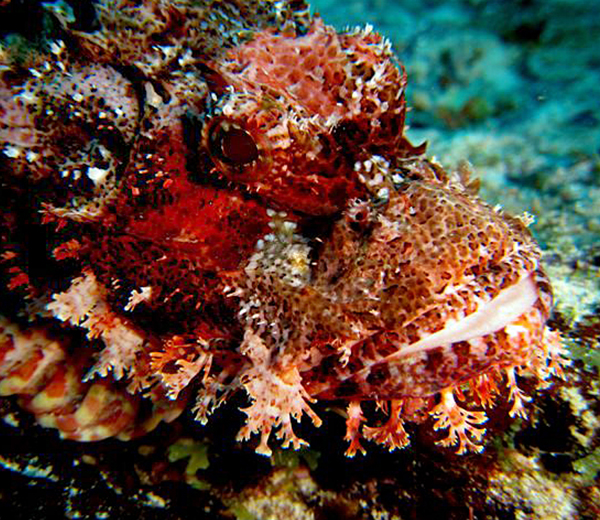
pixel 512 88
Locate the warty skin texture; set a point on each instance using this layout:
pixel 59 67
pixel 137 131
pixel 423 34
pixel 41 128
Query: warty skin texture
pixel 239 211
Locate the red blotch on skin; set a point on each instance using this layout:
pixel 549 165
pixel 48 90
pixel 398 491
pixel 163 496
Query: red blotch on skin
pixel 199 223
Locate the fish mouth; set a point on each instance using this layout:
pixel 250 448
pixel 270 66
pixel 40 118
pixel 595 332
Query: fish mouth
pixel 408 372
pixel 505 308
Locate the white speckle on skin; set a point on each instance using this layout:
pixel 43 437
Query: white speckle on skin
pixel 12 151
pixel 152 98
pixel 186 59
pixel 383 194
pixel 32 156
pixel 97 175
pixel 57 47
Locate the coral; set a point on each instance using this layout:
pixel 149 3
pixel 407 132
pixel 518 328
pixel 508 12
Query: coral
pixel 533 493
pixel 284 494
pixel 211 198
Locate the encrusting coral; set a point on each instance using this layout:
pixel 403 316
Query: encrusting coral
pixel 219 196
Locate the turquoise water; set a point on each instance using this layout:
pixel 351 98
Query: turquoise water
pixel 512 87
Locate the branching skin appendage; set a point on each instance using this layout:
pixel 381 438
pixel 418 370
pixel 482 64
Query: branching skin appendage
pixel 237 210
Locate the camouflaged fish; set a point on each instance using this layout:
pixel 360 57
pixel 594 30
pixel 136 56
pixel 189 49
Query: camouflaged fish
pixel 209 198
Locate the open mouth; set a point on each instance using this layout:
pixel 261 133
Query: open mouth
pixel 503 309
pixel 431 363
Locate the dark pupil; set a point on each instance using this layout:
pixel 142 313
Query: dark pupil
pixel 238 146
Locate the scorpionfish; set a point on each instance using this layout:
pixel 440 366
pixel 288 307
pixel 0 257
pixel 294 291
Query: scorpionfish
pixel 203 199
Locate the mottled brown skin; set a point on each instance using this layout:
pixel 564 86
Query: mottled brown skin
pixel 442 234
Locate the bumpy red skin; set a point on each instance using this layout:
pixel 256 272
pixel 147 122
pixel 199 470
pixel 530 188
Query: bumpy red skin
pixel 294 98
pixel 249 217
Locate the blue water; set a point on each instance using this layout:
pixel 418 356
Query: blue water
pixel 511 87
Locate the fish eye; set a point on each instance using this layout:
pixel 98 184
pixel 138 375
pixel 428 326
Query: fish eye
pixel 233 145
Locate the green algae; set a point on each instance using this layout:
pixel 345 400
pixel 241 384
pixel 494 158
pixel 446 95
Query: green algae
pixel 197 454
pixel 286 458
pixel 589 467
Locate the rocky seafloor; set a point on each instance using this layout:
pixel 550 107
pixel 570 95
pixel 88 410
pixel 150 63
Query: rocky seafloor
pixel 512 88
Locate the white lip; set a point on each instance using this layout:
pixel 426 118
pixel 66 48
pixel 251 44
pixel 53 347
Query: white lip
pixel 495 315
